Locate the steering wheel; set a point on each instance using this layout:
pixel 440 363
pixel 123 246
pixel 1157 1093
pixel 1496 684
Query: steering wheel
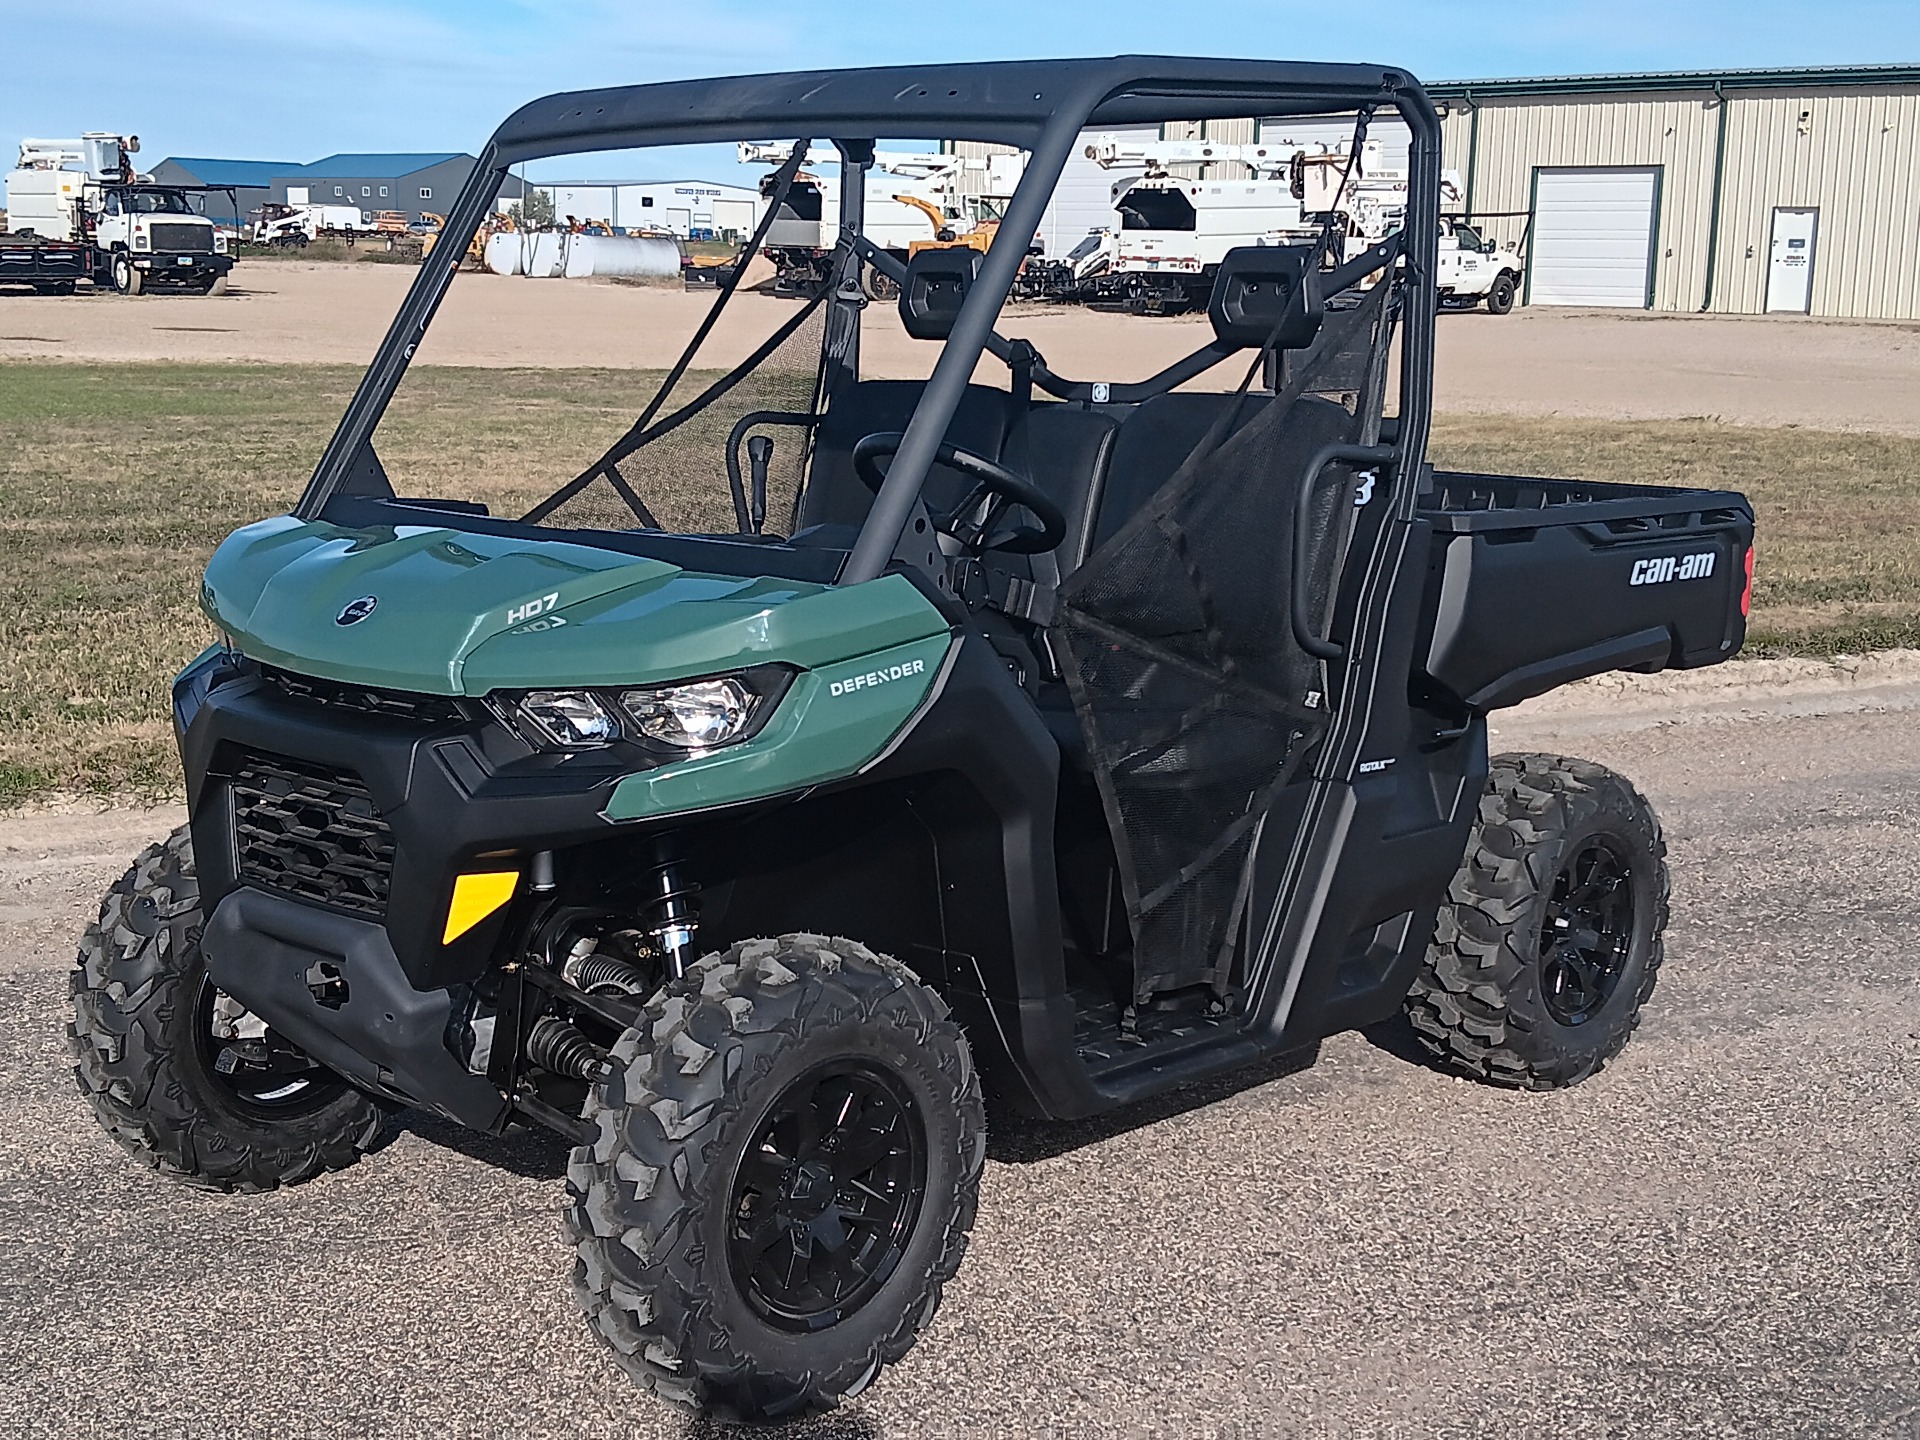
pixel 991 481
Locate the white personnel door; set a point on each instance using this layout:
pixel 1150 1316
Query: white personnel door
pixel 1790 268
pixel 1592 237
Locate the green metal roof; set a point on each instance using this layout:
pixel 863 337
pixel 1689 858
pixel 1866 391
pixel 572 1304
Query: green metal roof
pixel 1815 77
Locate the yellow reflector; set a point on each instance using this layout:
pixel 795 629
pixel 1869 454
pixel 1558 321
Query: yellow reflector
pixel 475 897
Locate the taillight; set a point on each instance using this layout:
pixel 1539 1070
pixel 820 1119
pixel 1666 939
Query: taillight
pixel 1746 595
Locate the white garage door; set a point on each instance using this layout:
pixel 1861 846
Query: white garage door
pixel 1592 239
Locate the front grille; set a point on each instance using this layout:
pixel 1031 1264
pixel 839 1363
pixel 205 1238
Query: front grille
pixel 366 699
pixel 311 831
pixel 181 237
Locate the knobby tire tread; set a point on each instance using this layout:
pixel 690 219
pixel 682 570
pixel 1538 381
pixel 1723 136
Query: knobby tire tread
pixel 1475 1003
pixel 642 1275
pixel 135 989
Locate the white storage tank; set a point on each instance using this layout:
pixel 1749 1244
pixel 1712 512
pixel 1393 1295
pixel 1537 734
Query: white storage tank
pixel 548 254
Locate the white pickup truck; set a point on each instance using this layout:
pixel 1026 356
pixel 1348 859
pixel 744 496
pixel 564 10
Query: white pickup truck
pixel 1473 269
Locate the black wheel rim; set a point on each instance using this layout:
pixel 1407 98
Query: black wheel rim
pixel 1586 938
pixel 826 1195
pixel 262 1075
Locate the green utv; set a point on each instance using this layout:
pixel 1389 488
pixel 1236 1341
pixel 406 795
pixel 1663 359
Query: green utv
pixel 832 748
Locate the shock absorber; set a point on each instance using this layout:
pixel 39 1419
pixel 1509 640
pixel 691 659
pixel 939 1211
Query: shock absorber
pixel 673 906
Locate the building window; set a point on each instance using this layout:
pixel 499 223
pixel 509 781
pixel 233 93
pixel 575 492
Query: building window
pixel 383 192
pixel 338 191
pixel 426 193
pixel 365 190
pixel 646 202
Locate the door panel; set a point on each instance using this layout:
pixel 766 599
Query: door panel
pixel 1592 239
pixel 1790 264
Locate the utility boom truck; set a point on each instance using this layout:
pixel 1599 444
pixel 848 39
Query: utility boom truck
pixel 1173 230
pixel 76 210
pixel 831 750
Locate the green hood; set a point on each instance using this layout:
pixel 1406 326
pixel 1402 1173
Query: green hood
pixel 458 613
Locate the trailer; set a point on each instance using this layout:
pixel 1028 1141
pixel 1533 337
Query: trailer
pixel 77 210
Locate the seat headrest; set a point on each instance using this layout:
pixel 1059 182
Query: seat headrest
pixel 1261 287
pixel 936 284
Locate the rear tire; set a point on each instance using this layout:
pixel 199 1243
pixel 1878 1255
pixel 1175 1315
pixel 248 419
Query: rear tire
pixel 709 1183
pixel 1500 297
pixel 148 1059
pixel 1550 938
pixel 881 287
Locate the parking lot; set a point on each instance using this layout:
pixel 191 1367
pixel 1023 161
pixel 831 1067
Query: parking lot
pixel 1713 1237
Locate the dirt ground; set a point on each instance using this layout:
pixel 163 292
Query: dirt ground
pixel 1745 370
pixel 1712 1237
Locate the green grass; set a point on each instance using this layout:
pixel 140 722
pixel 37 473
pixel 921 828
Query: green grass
pixel 116 482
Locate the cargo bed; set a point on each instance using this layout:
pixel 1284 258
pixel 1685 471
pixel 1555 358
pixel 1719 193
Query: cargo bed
pixel 1536 582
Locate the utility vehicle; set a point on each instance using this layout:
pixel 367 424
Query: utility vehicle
pixel 77 211
pixel 832 749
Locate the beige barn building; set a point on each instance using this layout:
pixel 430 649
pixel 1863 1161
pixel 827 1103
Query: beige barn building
pixel 1738 191
pixel 1741 192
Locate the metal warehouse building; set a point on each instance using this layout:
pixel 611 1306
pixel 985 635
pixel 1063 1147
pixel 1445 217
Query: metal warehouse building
pixel 1741 191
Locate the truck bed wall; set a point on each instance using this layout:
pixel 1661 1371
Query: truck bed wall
pixel 1534 583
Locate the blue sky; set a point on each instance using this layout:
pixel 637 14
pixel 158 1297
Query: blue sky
pixel 297 79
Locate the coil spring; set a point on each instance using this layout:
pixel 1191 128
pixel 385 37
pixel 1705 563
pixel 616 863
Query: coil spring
pixel 555 1045
pixel 674 900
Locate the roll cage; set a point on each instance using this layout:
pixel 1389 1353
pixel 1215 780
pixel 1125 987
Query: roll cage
pixel 1040 106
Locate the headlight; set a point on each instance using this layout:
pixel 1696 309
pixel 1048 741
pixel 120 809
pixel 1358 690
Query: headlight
pixel 690 717
pixel 698 716
pixel 569 719
pixel 141 240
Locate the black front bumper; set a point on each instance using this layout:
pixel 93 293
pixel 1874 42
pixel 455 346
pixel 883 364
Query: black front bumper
pixel 180 267
pixel 457 791
pixel 363 982
pixel 333 986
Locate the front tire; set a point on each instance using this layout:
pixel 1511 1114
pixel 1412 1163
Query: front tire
pixel 180 1075
pixel 1500 296
pixel 787 1170
pixel 126 279
pixel 1550 938
pixel 216 286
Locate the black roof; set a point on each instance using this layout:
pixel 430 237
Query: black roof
pixel 1007 101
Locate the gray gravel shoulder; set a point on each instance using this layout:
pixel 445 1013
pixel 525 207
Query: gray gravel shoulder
pixel 1714 1237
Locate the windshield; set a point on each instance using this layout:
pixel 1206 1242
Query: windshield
pixel 157 202
pixel 685 341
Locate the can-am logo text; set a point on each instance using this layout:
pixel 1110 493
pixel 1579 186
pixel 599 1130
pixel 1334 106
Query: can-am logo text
pixel 1661 569
pixel 876 677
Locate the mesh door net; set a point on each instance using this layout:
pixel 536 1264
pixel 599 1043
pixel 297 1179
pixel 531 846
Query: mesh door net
pixel 1196 702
